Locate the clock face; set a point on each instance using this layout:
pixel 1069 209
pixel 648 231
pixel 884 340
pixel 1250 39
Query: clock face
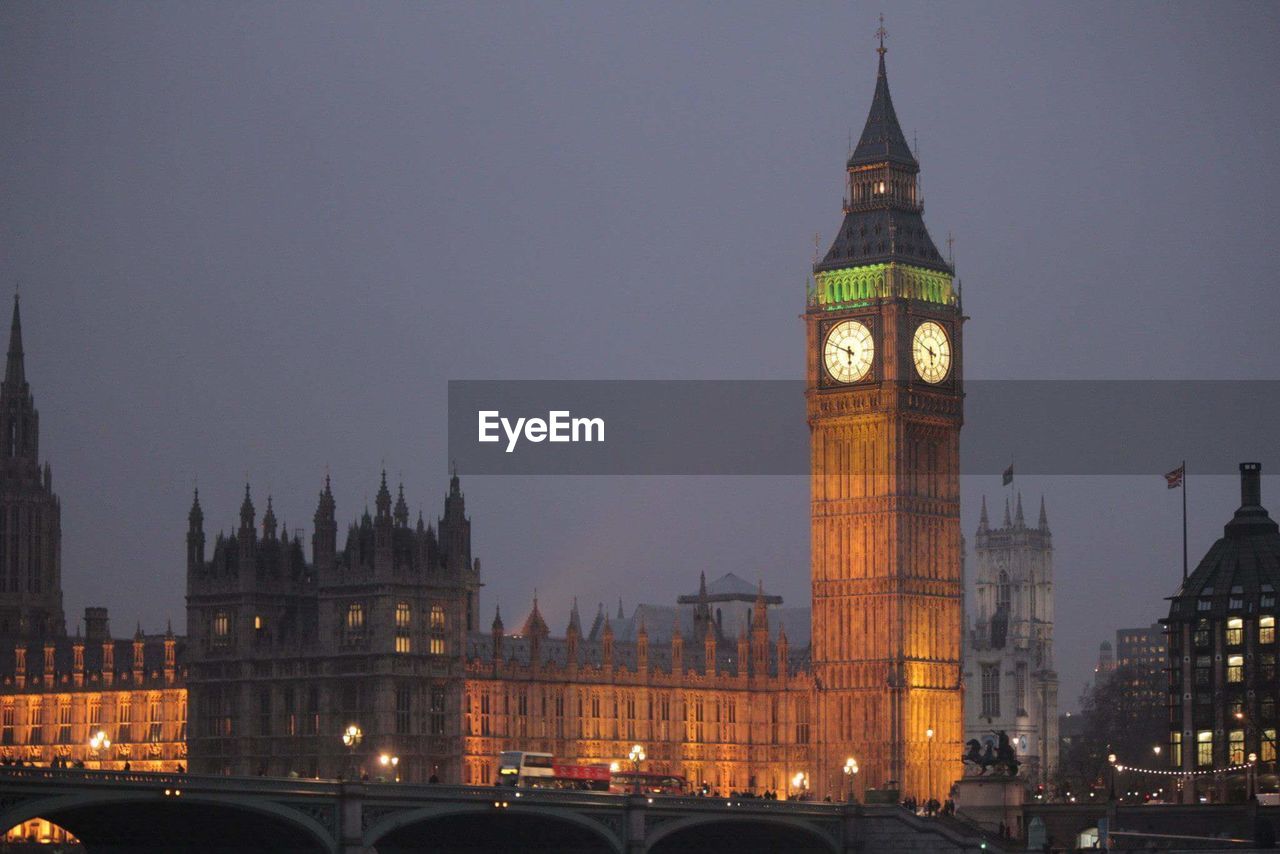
pixel 848 351
pixel 931 351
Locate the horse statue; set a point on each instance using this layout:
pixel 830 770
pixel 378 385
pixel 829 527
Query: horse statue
pixel 986 758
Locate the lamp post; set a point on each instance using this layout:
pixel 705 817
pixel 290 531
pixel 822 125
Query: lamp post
pixel 352 737
pixel 97 743
pixel 636 756
pixel 390 763
pixel 1250 777
pixel 928 735
pixel 850 769
pixel 1111 791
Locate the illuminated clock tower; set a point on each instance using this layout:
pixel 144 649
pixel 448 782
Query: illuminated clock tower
pixel 885 406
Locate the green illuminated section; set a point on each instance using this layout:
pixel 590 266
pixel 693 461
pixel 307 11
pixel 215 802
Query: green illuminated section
pixel 857 285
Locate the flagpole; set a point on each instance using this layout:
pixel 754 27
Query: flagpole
pixel 1184 521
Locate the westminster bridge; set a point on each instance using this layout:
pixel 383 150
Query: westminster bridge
pixel 112 811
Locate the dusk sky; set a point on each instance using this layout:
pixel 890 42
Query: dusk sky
pixel 259 239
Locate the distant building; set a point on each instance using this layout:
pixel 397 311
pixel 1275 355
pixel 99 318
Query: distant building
pixel 1223 690
pixel 1009 677
pixel 1143 659
pixel 1106 661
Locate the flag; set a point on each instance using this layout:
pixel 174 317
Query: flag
pixel 1007 477
pixel 1174 478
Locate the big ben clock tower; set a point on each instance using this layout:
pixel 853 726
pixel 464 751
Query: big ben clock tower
pixel 885 405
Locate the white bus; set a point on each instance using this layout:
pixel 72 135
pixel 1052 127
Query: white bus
pixel 521 769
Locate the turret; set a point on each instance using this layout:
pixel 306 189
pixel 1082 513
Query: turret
pixel 572 636
pixel 324 542
pixel 642 648
pixel 48 664
pixel 709 652
pixel 401 514
pixel 496 631
pixel 677 649
pixel 139 656
pixel 108 662
pixel 269 522
pixel 744 651
pixel 20 666
pixel 782 653
pixel 535 629
pixel 382 525
pixel 195 537
pixel 77 660
pixel 607 645
pixel 760 633
pixel 455 530
pixel 170 654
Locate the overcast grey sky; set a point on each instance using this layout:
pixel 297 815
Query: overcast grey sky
pixel 260 238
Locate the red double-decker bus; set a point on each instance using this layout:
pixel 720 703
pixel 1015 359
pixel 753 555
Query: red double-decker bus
pixel 647 783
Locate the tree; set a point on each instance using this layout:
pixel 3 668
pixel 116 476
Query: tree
pixel 1125 713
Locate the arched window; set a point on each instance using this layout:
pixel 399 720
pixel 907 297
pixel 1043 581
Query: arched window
pixel 1002 591
pixel 403 615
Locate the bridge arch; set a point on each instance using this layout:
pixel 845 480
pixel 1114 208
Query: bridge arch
pixel 145 820
pixel 748 834
pixel 482 825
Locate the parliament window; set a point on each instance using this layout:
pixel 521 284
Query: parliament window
pixel 1204 747
pixel 1235 668
pixel 991 690
pixel 1175 749
pixel 1020 686
pixel 403 644
pixel 1266 630
pixel 6 724
pixel 404 615
pixel 155 719
pixel 64 720
pixel 355 618
pixel 1236 747
pixel 1235 631
pixel 221 628
pixel 437 617
pixel 124 728
pixel 290 712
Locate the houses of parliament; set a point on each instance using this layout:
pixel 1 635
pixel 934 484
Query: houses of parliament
pixel 288 642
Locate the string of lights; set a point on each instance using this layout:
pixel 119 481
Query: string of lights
pixel 1164 772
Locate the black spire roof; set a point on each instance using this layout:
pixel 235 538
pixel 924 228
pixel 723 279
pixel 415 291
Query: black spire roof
pixel 887 227
pixel 1245 562
pixel 882 138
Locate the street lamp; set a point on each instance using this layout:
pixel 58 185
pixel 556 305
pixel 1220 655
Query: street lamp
pixel 99 742
pixel 1250 778
pixel 352 737
pixel 928 734
pixel 636 756
pixel 851 768
pixel 390 763
pixel 797 784
pixel 1111 792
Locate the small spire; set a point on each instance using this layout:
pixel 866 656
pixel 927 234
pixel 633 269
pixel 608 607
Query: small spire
pixel 168 628
pixel 982 519
pixel 497 618
pixel 1018 518
pixel 246 509
pixel 575 620
pixel 269 521
pixel 1044 517
pixel 1007 521
pixel 621 616
pixel 196 516
pixel 15 372
pixel 138 635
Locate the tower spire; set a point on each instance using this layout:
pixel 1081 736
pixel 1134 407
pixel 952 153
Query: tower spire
pixel 1044 518
pixel 15 371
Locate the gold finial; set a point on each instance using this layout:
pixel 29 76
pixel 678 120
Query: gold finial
pixel 951 255
pixel 817 245
pixel 881 34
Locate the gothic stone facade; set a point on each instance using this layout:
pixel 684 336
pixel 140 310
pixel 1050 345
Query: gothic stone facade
pixel 1009 671
pixel 56 691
